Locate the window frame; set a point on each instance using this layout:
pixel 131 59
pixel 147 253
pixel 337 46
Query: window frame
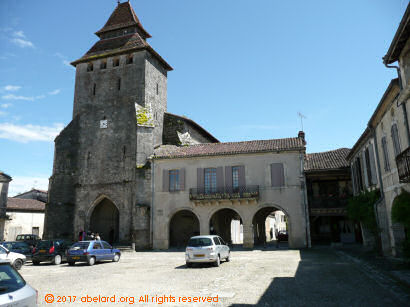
pixel 235 177
pixel 210 184
pixel 174 176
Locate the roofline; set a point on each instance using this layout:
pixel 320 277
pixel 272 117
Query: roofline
pixel 7 176
pixel 195 124
pixel 119 52
pixel 33 189
pixel 322 170
pixel 25 210
pixel 403 23
pixel 297 149
pixel 362 137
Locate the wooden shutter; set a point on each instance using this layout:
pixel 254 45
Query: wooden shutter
pixel 200 180
pixel 228 178
pixel 372 165
pixel 182 179
pixel 242 182
pixel 165 180
pixel 277 175
pixel 395 138
pixel 220 179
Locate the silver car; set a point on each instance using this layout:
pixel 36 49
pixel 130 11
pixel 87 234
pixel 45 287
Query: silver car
pixel 206 249
pixel 14 291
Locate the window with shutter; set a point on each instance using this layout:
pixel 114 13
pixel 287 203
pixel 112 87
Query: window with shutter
pixel 235 178
pixel 396 141
pixel 385 154
pixel 277 175
pixel 165 180
pixel 372 165
pixel 173 180
pixel 210 180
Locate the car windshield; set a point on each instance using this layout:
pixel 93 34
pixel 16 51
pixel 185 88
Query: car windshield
pixel 10 280
pixel 7 245
pixel 19 238
pixel 80 245
pixel 196 242
pixel 44 244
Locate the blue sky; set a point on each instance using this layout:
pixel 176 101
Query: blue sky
pixel 242 69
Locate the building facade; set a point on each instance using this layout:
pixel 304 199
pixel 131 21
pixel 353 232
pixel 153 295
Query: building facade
pixel 4 190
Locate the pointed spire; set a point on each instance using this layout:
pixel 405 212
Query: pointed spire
pixel 123 17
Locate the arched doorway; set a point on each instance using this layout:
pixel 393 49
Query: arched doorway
pixel 183 225
pixel 105 221
pixel 227 224
pixel 269 223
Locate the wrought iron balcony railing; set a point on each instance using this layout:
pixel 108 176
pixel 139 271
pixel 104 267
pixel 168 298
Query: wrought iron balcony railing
pixel 247 192
pixel 403 165
pixel 328 202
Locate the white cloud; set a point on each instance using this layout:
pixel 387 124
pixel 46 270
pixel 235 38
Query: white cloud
pixel 22 43
pixel 14 97
pixel 28 133
pixel 19 34
pixel 21 184
pixel 63 59
pixel 2 113
pixel 55 92
pixel 12 88
pixel 6 105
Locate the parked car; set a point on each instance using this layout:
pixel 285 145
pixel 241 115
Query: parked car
pixel 206 249
pixel 14 291
pixel 53 251
pixel 30 239
pixel 283 236
pixel 19 247
pixel 91 252
pixel 15 259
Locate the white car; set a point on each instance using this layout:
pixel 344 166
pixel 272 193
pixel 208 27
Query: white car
pixel 206 249
pixel 14 291
pixel 15 259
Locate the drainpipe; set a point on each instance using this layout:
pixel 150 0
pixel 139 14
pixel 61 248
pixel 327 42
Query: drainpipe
pixel 305 204
pixel 152 203
pixel 403 105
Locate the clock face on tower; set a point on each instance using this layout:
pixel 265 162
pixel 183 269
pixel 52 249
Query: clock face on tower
pixel 103 124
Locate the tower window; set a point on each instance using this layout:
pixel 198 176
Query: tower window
pixel 94 88
pixel 157 88
pixel 90 67
pixel 130 59
pixel 103 65
pixel 119 83
pixel 116 62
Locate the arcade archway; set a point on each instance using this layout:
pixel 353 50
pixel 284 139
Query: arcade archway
pixel 105 220
pixel 227 223
pixel 269 223
pixel 183 225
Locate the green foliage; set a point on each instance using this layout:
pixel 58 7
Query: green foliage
pixel 400 211
pixel 361 208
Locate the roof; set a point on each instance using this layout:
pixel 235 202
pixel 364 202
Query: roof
pixel 364 136
pixel 328 160
pixel 32 190
pixel 4 176
pixel 122 17
pixel 400 39
pixel 21 204
pixel 230 148
pixel 195 124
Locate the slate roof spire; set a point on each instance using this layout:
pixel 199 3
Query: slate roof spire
pixel 123 17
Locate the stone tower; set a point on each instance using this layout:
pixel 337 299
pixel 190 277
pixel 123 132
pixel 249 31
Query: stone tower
pixel 101 177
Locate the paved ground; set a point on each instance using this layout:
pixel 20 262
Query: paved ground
pixel 321 277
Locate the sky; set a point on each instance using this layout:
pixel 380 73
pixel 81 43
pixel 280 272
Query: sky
pixel 243 69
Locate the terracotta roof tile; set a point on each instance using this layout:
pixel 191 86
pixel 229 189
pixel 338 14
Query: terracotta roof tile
pixel 328 160
pixel 25 204
pixel 117 43
pixel 231 148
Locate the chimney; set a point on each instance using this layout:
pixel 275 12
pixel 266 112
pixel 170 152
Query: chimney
pixel 301 135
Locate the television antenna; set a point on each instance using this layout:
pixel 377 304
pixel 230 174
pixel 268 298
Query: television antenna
pixel 301 119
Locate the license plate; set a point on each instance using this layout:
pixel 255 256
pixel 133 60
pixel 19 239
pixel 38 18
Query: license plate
pixel 200 255
pixel 75 258
pixel 42 250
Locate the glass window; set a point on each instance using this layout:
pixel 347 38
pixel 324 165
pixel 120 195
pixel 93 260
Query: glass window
pixel 235 178
pixel 385 154
pixel 222 241
pixel 2 250
pixel 10 280
pixel 196 242
pixel 97 245
pixel 210 180
pixel 396 141
pixel 106 245
pixel 173 180
pixel 80 245
pixel 216 241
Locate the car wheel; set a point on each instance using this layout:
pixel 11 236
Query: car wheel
pixel 217 262
pixel 18 263
pixel 116 258
pixel 229 257
pixel 188 264
pixel 91 261
pixel 71 263
pixel 57 259
pixel 36 262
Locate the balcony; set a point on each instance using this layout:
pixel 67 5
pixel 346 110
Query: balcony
pixel 247 193
pixel 403 165
pixel 328 202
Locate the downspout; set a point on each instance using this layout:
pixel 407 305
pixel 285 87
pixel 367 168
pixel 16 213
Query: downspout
pixel 403 105
pixel 304 192
pixel 152 203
